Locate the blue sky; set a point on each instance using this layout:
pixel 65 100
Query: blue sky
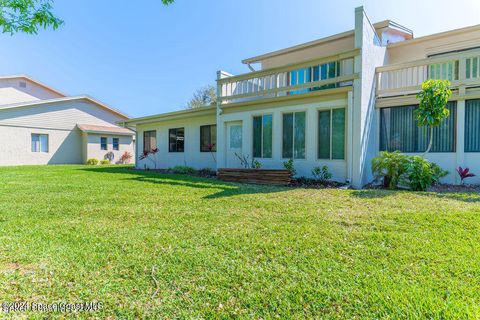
pixel 145 58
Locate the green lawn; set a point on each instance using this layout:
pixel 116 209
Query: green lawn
pixel 170 246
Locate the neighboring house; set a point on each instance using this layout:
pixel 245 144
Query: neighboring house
pixel 39 125
pixel 336 101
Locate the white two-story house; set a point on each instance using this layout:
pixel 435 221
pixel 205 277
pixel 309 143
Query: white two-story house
pixel 40 125
pixel 335 101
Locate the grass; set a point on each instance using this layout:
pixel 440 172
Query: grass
pixel 172 246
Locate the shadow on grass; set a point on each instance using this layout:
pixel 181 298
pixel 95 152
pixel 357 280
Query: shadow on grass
pixel 226 189
pixel 379 193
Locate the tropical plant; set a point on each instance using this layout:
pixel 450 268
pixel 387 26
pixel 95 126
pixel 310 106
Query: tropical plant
pixel 125 158
pixel 464 173
pixel 248 164
pixel 290 166
pixel 104 161
pixel 422 173
pixel 211 149
pixel 92 162
pixel 321 174
pixel 183 170
pixel 203 97
pixel 432 107
pixel 390 167
pixel 150 155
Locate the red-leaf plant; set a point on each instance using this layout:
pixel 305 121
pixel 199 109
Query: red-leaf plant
pixel 211 148
pixel 464 173
pixel 146 155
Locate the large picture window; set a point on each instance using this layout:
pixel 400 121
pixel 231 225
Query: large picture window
pixel 294 135
pixel 39 142
pixel 208 137
pixel 176 140
pixel 472 126
pixel 262 136
pixel 149 140
pixel 399 130
pixel 331 134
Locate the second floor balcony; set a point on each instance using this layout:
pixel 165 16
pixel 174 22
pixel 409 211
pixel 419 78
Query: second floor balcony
pixel 294 79
pixel 462 69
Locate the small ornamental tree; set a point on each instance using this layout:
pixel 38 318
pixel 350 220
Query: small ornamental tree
pixel 432 108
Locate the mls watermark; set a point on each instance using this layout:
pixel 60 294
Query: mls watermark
pixel 59 307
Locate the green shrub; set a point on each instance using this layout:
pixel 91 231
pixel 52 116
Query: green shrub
pixel 92 162
pixel 423 174
pixel 413 171
pixel 321 174
pixel 256 164
pixel 104 161
pixel 289 165
pixel 390 166
pixel 183 170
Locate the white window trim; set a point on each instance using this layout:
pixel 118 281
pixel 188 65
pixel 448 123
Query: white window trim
pixel 293 145
pixel 331 132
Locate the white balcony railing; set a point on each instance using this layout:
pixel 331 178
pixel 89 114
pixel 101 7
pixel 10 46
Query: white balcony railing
pixel 406 78
pixel 325 73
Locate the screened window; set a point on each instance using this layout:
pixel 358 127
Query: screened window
pixel 208 138
pixel 103 143
pixel 39 142
pixel 176 140
pixel 294 135
pixel 399 130
pixel 472 126
pixel 149 140
pixel 115 143
pixel 331 134
pixel 262 136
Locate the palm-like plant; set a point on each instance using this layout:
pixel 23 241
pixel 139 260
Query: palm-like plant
pixel 391 166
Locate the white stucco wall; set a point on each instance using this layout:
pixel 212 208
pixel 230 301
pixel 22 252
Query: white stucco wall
pixel 364 130
pixel 192 156
pixel 303 166
pixel 93 147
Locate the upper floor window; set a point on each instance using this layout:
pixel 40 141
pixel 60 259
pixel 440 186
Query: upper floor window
pixel 115 143
pixel 208 138
pixel 39 142
pixel 399 130
pixel 293 135
pixel 331 134
pixel 176 140
pixel 103 143
pixel 262 136
pixel 149 140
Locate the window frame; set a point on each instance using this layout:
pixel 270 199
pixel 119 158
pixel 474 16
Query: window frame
pixel 106 144
pixel 154 135
pixel 39 142
pixel 118 143
pixel 176 140
pixel 466 123
pixel 261 135
pixel 214 149
pixel 418 151
pixel 293 134
pixel 345 131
